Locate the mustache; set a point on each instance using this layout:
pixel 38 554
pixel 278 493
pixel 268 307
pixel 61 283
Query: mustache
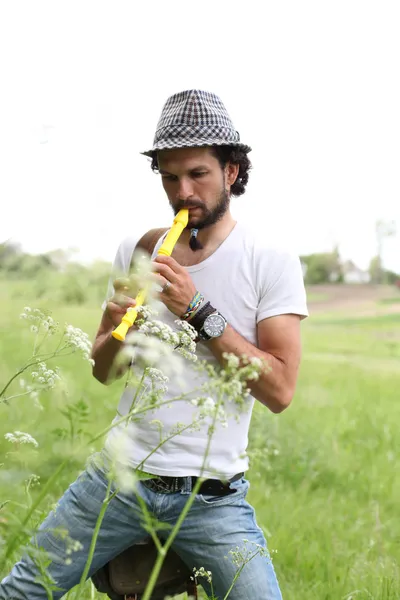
pixel 183 204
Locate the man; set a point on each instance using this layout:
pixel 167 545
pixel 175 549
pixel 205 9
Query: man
pixel 252 300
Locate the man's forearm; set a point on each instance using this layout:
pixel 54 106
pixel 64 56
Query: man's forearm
pixel 272 388
pixel 104 353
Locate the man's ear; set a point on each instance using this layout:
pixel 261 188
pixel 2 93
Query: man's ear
pixel 232 172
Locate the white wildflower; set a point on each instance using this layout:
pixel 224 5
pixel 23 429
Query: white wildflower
pixel 256 362
pixel 233 361
pixel 186 353
pixel 209 408
pixel 158 379
pixel 38 319
pixel 157 375
pixel 144 311
pixel 202 573
pixel 241 556
pixel 78 340
pixel 46 378
pixel 20 437
pixel 181 340
pixel 187 328
pixel 209 404
pixel 150 351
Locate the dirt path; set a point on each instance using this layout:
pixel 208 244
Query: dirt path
pixel 359 299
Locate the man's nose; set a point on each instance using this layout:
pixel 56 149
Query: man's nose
pixel 185 189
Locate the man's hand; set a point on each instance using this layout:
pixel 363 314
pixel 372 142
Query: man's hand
pixel 120 302
pixel 181 290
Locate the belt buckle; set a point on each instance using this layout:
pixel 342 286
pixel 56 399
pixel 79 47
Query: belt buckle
pixel 167 485
pixel 163 485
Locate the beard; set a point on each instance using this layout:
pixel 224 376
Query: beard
pixel 210 216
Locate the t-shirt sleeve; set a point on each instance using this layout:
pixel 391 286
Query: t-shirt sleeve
pixel 120 266
pixel 281 284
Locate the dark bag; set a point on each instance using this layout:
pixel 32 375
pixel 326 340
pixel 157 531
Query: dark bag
pixel 127 575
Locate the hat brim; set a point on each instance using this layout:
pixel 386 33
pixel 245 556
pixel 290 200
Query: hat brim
pixel 194 143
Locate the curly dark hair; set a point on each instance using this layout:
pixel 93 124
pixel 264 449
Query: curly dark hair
pixel 226 154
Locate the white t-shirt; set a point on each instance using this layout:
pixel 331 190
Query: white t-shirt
pixel 247 281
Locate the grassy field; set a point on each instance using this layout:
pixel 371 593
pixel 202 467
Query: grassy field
pixel 324 474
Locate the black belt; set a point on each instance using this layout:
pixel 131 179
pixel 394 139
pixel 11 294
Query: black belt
pixel 169 485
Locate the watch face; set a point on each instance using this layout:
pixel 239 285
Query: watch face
pixel 214 325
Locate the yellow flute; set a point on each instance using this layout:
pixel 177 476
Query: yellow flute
pixel 179 224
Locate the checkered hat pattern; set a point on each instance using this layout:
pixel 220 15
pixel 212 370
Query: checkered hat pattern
pixel 194 118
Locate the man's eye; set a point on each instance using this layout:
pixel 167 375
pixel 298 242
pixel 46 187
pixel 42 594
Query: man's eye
pixel 200 174
pixel 169 177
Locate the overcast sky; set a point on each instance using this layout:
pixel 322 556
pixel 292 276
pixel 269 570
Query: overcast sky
pixel 313 87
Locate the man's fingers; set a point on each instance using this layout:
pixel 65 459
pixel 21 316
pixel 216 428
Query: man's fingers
pixel 169 262
pixel 122 302
pixel 165 271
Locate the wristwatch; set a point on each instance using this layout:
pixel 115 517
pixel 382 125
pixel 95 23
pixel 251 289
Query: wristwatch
pixel 213 326
pixel 208 322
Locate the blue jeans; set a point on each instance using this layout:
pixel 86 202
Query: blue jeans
pixel 213 527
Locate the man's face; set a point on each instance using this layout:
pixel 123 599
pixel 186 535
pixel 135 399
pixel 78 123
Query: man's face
pixel 193 179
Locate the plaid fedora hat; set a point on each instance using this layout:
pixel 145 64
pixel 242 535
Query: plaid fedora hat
pixel 194 118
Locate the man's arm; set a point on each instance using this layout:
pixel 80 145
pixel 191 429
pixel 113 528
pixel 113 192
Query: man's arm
pixel 279 344
pixel 104 351
pixel 105 347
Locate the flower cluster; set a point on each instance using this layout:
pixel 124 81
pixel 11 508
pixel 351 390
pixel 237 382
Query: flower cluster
pixel 241 556
pixel 20 437
pixel 187 335
pixel 78 340
pixel 182 339
pixel 209 408
pixel 39 320
pixel 155 343
pixel 44 377
pixel 202 573
pixel 232 380
pixel 158 379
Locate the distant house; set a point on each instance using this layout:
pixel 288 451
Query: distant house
pixel 353 274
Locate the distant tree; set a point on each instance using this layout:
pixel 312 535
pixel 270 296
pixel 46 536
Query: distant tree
pixel 392 278
pixel 322 267
pixel 375 269
pixel 383 230
pixel 8 250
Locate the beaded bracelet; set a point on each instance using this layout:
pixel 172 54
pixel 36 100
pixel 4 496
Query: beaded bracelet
pixel 194 305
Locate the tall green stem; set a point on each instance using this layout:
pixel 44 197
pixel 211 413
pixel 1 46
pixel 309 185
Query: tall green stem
pixel 161 555
pixel 95 535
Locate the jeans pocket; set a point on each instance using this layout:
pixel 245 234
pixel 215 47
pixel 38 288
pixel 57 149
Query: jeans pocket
pixel 238 492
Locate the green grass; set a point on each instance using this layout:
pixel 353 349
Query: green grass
pixel 392 300
pixel 324 475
